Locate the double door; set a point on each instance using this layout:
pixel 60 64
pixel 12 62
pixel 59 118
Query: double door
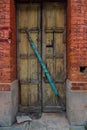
pixel 47 30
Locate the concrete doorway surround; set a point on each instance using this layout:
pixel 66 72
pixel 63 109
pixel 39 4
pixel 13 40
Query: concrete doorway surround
pixel 76 59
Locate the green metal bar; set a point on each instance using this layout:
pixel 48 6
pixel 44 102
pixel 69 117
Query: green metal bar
pixel 42 64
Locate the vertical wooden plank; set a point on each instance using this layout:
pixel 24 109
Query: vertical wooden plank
pixel 33 69
pixel 61 88
pixel 59 13
pixel 23 45
pixel 48 23
pixel 49 40
pixel 49 16
pixel 23 16
pixel 23 69
pixel 49 62
pixel 33 15
pixel 33 95
pixel 23 62
pixel 49 97
pixel 59 45
pixel 59 69
pixel 34 37
pixel 24 94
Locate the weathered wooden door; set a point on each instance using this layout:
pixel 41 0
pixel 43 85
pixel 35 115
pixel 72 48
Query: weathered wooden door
pixel 47 27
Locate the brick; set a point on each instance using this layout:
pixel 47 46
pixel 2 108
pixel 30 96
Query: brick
pixel 4 87
pixel 76 41
pixel 7 41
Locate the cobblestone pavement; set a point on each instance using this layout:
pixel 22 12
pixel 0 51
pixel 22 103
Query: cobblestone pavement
pixel 48 121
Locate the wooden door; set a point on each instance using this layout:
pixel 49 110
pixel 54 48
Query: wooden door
pixel 46 26
pixel 53 53
pixel 29 68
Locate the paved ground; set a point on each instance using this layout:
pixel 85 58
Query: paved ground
pixel 50 121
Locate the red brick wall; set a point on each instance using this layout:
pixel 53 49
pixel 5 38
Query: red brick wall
pixel 7 43
pixel 13 51
pixel 77 43
pixel 40 0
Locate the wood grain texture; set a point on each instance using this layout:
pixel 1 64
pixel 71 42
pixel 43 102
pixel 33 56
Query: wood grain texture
pixel 29 68
pixel 35 90
pixel 53 20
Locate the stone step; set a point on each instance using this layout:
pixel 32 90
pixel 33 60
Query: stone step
pixel 77 128
pixel 10 128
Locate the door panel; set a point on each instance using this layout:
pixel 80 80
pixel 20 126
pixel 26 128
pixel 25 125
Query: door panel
pixel 59 73
pixel 49 16
pixel 35 91
pixel 59 45
pixel 59 15
pixel 33 95
pixel 24 94
pixel 23 46
pixel 48 93
pixel 23 71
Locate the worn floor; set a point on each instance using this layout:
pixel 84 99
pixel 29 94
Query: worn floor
pixel 48 121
